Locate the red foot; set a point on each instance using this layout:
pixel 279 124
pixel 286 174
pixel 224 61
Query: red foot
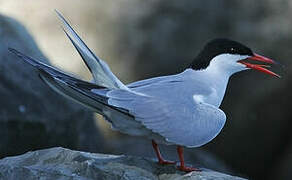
pixel 165 162
pixel 182 166
pixel 159 157
pixel 188 169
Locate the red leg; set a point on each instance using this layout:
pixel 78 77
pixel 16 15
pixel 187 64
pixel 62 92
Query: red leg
pixel 160 159
pixel 182 166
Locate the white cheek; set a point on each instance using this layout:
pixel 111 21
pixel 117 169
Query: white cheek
pixel 228 63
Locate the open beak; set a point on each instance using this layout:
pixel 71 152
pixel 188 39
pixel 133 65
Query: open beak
pixel 260 67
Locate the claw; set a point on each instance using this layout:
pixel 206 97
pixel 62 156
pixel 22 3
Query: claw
pixel 187 169
pixel 182 166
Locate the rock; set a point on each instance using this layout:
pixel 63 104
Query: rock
pixel 137 146
pixel 32 116
pixel 61 163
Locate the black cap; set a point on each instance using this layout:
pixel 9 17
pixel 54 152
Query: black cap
pixel 217 47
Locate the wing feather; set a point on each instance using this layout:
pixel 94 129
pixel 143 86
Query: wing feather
pixel 185 123
pixel 70 87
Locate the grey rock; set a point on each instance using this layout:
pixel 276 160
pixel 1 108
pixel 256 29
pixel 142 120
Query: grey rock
pixel 61 163
pixel 32 116
pixel 137 146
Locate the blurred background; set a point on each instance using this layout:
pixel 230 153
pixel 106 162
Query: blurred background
pixel 142 39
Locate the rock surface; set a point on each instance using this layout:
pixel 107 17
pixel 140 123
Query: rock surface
pixel 61 163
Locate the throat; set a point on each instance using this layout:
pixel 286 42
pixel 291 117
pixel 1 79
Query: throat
pixel 214 78
pixel 224 65
pixel 215 73
pixel 218 82
pixel 215 84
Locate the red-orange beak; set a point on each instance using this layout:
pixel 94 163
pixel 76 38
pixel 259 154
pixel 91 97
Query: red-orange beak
pixel 260 67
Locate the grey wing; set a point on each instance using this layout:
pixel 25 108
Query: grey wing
pixel 184 123
pixel 101 72
pixel 70 87
pixel 155 80
pixel 146 82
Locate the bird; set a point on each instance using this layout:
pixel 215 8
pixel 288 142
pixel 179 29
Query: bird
pixel 181 109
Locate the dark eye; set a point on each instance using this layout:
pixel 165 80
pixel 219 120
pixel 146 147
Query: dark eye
pixel 232 49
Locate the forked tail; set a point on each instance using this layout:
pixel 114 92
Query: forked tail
pixel 100 71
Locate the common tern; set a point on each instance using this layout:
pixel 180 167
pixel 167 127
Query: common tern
pixel 181 109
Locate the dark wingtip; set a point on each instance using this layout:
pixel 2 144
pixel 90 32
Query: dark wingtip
pixel 61 17
pixel 14 51
pixel 57 12
pixel 23 57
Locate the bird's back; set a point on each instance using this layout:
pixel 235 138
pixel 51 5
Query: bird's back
pixel 180 88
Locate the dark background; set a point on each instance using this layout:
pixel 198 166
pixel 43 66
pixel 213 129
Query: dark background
pixel 143 39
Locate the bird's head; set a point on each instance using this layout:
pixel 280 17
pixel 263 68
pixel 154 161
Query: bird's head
pixel 224 55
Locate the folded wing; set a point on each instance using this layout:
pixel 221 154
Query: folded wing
pixel 185 123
